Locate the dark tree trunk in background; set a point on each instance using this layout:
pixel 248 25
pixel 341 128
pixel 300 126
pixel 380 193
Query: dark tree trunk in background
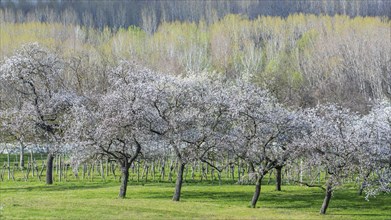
pixel 278 178
pixel 362 187
pixel 257 192
pixel 49 169
pixel 21 157
pixel 179 181
pixel 251 167
pixel 326 201
pixel 124 178
pixel 363 184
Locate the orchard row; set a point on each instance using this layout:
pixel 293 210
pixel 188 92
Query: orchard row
pixel 206 118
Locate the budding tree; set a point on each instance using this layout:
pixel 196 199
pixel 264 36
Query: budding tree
pixel 375 150
pixel 18 127
pixel 115 124
pixel 332 145
pixel 264 131
pixel 190 112
pixel 35 74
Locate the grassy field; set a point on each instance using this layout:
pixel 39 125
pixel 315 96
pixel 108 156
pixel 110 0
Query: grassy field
pixel 97 200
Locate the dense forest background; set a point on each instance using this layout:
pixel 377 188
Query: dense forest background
pixel 304 52
pixel 124 13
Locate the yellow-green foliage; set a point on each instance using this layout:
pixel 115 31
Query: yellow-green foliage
pixel 307 39
pixel 12 36
pixel 181 45
pixel 228 44
pixel 284 53
pixel 128 43
pixel 65 39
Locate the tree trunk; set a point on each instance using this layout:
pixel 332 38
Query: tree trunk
pixel 251 168
pixel 138 171
pixel 278 178
pixel 363 184
pixel 257 192
pixel 21 157
pixel 59 168
pixel 219 175
pixel 162 172
pixel 326 201
pixel 178 184
pixel 8 165
pixel 49 169
pixel 233 172
pixel 193 171
pixel 362 187
pixel 124 178
pixel 32 162
pixel 239 168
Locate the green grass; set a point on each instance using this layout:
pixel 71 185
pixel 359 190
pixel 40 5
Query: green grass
pixel 98 200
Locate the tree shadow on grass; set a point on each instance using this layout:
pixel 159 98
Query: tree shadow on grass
pixel 294 200
pixel 62 187
pixel 275 199
pixel 360 214
pixel 201 196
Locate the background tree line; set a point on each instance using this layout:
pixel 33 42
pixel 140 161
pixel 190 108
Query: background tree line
pixel 302 59
pixel 150 14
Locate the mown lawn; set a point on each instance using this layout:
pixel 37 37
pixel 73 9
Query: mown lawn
pixel 97 200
